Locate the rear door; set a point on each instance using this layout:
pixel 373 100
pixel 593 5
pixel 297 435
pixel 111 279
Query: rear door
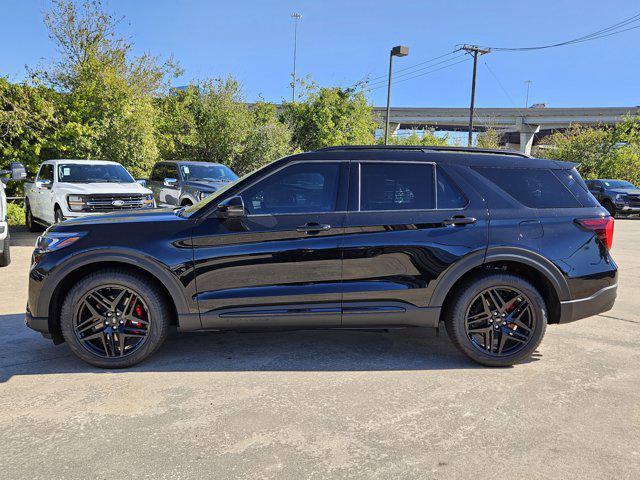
pixel 281 263
pixel 407 223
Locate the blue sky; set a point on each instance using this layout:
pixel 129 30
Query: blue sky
pixel 342 41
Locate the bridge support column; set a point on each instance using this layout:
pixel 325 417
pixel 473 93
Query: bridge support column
pixel 527 133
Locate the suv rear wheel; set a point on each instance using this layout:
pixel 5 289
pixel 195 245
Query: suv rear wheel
pixel 114 319
pixel 497 319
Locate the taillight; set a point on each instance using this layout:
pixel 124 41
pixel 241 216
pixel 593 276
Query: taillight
pixel 602 227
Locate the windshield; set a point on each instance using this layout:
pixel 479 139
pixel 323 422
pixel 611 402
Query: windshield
pixel 207 172
pixel 105 173
pixel 618 184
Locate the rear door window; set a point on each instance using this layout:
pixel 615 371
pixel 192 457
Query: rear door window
pixel 396 186
pixel 533 187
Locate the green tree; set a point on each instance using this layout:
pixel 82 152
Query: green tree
pixel 423 138
pixel 602 152
pixel 329 116
pixel 108 91
pixel 488 139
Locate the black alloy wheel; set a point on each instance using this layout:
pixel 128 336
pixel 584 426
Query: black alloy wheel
pixel 496 318
pixel 115 318
pixel 30 222
pixel 499 321
pixel 112 321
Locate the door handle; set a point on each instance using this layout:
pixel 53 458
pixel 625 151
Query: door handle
pixel 313 227
pixel 459 220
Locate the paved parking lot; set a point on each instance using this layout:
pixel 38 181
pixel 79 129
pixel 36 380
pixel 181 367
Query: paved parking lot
pixel 326 404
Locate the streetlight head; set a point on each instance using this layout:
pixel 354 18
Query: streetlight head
pixel 296 16
pixel 400 51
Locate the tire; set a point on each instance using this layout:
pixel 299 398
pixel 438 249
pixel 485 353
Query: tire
pixel 611 208
pixel 57 215
pixel 32 225
pixel 470 296
pixel 5 256
pixel 145 292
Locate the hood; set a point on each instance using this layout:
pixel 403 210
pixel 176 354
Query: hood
pixel 205 185
pixel 129 216
pixel 626 191
pixel 105 188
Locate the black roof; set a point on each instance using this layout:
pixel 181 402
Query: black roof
pixel 454 155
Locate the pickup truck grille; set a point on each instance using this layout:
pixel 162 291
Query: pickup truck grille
pixel 110 203
pixel 634 200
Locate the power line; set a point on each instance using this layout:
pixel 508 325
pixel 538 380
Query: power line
pixel 413 66
pixel 375 84
pixel 602 33
pixel 421 74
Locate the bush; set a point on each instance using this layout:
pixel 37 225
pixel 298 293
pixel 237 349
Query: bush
pixel 15 213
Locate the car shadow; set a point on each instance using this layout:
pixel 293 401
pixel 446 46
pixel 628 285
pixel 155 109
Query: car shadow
pixel 25 352
pixel 22 237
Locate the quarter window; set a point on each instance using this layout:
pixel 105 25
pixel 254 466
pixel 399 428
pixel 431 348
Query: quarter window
pixel 533 187
pixel 299 188
pixel 449 195
pixel 396 186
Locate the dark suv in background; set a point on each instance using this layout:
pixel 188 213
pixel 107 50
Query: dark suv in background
pixel 182 183
pixel 619 197
pixel 494 244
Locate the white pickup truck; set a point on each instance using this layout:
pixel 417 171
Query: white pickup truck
pixel 16 172
pixel 79 188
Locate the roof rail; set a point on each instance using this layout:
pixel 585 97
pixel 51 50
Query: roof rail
pixel 428 148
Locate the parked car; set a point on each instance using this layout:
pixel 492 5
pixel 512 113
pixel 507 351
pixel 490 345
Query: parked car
pixel 15 172
pixel 617 196
pixel 494 244
pixel 181 183
pixel 66 189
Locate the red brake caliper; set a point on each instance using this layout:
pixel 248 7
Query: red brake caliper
pixel 139 313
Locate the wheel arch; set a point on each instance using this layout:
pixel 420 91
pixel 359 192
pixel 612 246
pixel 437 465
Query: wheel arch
pixel 51 300
pixel 535 268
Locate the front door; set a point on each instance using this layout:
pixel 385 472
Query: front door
pixel 280 265
pixel 407 223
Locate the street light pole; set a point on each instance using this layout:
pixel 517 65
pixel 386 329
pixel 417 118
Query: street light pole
pixel 399 51
pixel 296 17
pixel 526 103
pixel 475 51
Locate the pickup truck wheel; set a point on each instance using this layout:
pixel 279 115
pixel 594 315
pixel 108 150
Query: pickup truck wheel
pixel 58 216
pixel 611 208
pixel 496 319
pixel 32 225
pixel 114 319
pixel 5 256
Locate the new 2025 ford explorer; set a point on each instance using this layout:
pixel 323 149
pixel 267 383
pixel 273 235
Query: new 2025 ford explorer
pixel 494 244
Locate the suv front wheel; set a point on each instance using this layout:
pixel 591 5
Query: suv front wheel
pixel 496 319
pixel 114 319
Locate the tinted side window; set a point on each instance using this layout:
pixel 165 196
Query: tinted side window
pixel 156 173
pixel 571 179
pixel 396 186
pixel 298 188
pixel 533 187
pixel 46 172
pixel 449 195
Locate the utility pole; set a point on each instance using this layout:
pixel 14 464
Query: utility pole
pixel 475 51
pixel 526 103
pixel 296 16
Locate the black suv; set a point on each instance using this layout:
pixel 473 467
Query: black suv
pixel 183 183
pixel 619 197
pixel 494 244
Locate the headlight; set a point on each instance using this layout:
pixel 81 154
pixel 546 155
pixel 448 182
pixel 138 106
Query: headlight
pixel 203 195
pixel 621 197
pixel 52 241
pixel 148 202
pixel 76 203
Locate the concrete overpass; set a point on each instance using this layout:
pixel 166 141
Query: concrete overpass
pixel 518 126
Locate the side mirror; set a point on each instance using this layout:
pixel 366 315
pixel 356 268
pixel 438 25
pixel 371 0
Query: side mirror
pixel 231 208
pixel 46 183
pixel 142 181
pixel 170 182
pixel 17 171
